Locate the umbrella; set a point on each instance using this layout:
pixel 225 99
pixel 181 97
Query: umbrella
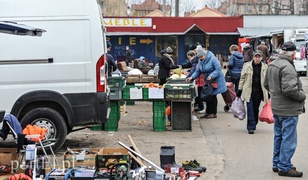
pixel 19 29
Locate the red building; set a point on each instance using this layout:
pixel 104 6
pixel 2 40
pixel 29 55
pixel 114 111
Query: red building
pixel 147 36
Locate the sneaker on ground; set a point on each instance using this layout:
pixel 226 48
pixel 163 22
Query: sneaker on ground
pixel 190 166
pixel 291 173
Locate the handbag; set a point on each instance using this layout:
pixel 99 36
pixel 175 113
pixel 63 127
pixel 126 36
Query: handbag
pixel 228 76
pixel 266 114
pixel 214 83
pixel 238 108
pixel 206 92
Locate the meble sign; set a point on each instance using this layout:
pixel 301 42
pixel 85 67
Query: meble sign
pixel 127 22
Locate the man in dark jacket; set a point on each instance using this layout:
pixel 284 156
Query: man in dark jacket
pixel 166 63
pixel 110 61
pixel 262 47
pixel 288 100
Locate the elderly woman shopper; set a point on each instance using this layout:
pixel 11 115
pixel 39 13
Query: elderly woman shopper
pixel 210 67
pixel 166 63
pixel 251 88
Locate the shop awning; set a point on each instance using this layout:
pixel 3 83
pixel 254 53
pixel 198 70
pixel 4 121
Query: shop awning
pixel 257 31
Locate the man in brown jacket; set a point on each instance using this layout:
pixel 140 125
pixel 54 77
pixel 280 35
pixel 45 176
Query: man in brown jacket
pixel 262 47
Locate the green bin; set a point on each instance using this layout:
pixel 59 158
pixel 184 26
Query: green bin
pixel 159 115
pixel 112 123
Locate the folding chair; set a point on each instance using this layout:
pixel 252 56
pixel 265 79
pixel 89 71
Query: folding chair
pixel 11 124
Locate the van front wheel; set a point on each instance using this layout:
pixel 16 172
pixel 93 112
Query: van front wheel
pixel 50 120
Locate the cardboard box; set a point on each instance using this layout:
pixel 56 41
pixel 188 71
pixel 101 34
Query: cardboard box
pixel 7 155
pixel 80 159
pixel 109 156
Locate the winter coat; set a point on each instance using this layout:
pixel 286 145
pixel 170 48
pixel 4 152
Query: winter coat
pixel 247 52
pixel 285 87
pixel 191 63
pixel 111 64
pixel 200 79
pixel 165 65
pixel 246 80
pixel 236 63
pixel 210 66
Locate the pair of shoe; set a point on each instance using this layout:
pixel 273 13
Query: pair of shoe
pixel 276 169
pixel 193 166
pixel 251 132
pixel 291 173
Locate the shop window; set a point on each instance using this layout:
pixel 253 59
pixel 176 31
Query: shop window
pixel 162 42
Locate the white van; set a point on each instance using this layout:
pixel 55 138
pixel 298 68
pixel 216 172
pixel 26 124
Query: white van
pixel 58 80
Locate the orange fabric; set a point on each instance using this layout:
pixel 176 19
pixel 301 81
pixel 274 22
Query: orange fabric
pixel 29 130
pixel 168 111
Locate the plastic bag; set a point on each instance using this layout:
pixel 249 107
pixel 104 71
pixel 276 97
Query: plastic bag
pixel 238 108
pixel 266 114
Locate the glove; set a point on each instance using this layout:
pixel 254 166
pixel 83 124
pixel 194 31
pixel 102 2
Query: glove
pixel 239 93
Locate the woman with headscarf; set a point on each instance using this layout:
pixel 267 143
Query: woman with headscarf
pixel 166 63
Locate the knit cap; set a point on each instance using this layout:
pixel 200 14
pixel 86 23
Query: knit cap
pixel 169 50
pixel 201 52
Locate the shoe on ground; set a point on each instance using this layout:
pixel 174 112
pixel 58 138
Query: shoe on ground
pixel 251 132
pixel 276 169
pixel 199 109
pixel 291 173
pixel 190 166
pixel 202 112
pixel 205 116
pixel 199 165
pixel 211 116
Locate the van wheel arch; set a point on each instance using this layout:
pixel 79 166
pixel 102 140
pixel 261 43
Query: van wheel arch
pixel 49 119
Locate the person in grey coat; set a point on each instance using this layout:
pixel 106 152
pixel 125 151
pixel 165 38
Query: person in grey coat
pixel 287 102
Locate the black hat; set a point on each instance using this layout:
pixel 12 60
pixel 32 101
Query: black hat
pixel 288 46
pixel 108 44
pixel 192 47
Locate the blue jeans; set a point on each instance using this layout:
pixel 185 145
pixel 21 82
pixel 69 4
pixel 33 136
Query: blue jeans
pixel 253 110
pixel 285 141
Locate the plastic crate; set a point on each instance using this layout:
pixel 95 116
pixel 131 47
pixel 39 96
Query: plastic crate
pixel 177 81
pixel 180 94
pixel 126 91
pixel 159 115
pixel 114 116
pixel 145 93
pixel 115 94
pixel 130 103
pixel 116 83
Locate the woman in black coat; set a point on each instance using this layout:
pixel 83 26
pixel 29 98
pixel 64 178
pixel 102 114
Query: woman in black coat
pixel 166 63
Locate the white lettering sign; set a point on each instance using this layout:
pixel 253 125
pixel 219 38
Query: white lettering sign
pixel 127 22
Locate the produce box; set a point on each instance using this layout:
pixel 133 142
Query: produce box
pixel 178 93
pixel 132 92
pixel 81 159
pixel 116 83
pixel 7 155
pixel 152 93
pixel 177 81
pixel 109 156
pixel 84 171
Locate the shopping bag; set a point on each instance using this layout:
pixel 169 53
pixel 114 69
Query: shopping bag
pixel 206 92
pixel 228 76
pixel 238 108
pixel 266 114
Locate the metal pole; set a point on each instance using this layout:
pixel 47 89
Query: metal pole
pixel 143 158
